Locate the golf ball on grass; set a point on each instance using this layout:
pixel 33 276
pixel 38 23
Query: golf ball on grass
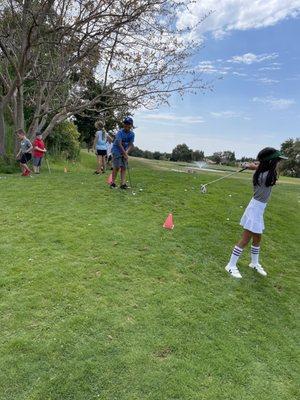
pixel 203 189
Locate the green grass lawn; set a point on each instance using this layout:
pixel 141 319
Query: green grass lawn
pixel 98 301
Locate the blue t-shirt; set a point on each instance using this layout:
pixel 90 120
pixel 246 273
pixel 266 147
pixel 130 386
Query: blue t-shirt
pixel 127 139
pixel 101 143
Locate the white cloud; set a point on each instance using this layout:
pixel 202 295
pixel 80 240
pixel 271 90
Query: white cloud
pixel 267 81
pixel 273 103
pixel 270 68
pixel 225 114
pixel 230 15
pixel 242 74
pixel 250 58
pixel 220 67
pixel 172 118
pixel 208 67
pixel 228 114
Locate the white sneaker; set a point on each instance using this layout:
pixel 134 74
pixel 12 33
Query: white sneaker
pixel 258 268
pixel 233 270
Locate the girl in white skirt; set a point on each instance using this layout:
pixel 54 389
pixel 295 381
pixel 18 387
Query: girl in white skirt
pixel 252 221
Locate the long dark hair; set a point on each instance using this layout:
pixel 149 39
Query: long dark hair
pixel 267 164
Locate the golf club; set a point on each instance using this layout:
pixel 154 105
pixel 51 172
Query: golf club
pixel 203 187
pixel 129 177
pixel 48 165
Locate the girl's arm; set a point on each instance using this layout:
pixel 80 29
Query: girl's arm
pixel 253 166
pixel 95 141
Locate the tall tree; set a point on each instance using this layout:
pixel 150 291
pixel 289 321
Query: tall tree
pixel 291 148
pixel 198 155
pixel 19 33
pixel 132 47
pixel 217 157
pixel 110 117
pixel 182 153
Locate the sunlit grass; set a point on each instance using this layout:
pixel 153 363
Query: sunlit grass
pixel 98 301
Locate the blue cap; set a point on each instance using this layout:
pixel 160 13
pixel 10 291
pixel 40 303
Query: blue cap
pixel 128 120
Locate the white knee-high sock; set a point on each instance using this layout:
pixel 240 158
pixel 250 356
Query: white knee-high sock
pixel 255 255
pixel 236 253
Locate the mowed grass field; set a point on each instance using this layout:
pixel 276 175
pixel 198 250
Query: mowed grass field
pixel 98 301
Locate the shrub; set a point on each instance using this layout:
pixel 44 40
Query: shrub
pixel 8 164
pixel 64 141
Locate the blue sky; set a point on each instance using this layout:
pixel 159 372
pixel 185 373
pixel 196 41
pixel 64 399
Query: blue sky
pixel 256 103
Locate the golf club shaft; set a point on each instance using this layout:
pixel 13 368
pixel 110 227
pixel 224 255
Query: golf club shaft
pixel 224 177
pixel 47 162
pixel 129 175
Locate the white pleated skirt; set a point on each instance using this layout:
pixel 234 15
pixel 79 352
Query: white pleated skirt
pixel 253 217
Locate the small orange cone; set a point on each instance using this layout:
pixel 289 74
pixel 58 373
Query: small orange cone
pixel 109 179
pixel 169 222
pixel 65 169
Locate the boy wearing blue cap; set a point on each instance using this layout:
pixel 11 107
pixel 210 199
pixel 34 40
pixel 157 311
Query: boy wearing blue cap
pixel 123 144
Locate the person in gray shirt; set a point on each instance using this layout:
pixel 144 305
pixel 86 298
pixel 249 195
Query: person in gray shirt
pixel 24 154
pixel 252 221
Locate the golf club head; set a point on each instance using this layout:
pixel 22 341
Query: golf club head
pixel 203 189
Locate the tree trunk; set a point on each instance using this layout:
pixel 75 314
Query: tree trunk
pixel 2 133
pixel 20 108
pixel 54 121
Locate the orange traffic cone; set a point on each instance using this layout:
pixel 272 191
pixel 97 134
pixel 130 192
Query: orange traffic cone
pixel 169 222
pixel 65 169
pixel 109 179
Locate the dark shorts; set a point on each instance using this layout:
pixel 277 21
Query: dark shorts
pixel 101 152
pixel 37 161
pixel 25 157
pixel 119 162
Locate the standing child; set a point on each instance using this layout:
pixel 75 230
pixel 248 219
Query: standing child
pixel 252 221
pixel 38 152
pixel 123 144
pixel 100 147
pixel 24 154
